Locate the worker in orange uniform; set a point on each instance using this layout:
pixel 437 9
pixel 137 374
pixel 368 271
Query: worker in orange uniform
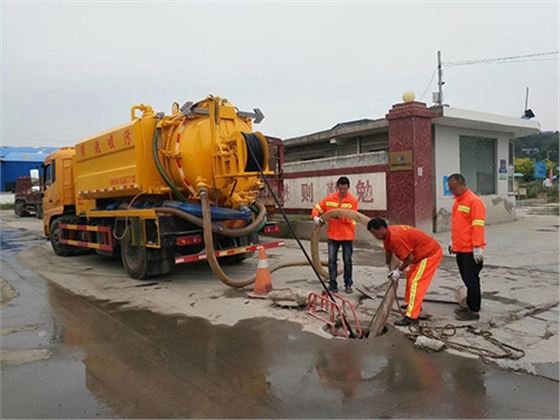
pixel 467 242
pixel 341 231
pixel 418 252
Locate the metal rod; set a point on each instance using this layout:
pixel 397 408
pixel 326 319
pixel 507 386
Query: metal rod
pixel 440 79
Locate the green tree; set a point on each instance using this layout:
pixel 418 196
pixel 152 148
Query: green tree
pixel 526 166
pixel 540 146
pixel 551 165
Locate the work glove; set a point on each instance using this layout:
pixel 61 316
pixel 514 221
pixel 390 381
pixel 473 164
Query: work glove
pixel 395 275
pixel 450 248
pixel 478 255
pixel 318 220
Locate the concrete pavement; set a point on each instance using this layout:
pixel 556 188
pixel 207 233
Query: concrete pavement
pixel 520 280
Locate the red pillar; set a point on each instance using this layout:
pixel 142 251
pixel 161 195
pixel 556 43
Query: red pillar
pixel 410 185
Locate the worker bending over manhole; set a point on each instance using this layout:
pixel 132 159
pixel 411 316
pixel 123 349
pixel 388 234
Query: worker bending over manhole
pixel 420 256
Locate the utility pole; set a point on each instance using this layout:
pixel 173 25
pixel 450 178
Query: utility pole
pixel 440 80
pixel 526 98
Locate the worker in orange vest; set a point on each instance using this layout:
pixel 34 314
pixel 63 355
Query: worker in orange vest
pixel 341 231
pixel 467 242
pixel 420 257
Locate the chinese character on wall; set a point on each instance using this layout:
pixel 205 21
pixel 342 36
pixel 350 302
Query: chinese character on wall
pixel 110 142
pixel 364 191
pixel 286 193
pixel 331 187
pixel 127 138
pixel 307 192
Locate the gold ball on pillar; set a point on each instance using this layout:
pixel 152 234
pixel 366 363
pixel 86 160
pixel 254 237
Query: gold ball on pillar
pixel 408 96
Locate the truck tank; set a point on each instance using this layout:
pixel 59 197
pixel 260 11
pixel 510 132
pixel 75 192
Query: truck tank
pixel 203 145
pixel 163 190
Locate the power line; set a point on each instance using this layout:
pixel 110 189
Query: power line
pixel 525 61
pixel 513 59
pixel 498 59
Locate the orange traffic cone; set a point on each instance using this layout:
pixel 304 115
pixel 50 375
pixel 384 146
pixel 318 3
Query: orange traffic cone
pixel 263 282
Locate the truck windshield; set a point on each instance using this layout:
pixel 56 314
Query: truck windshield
pixel 49 173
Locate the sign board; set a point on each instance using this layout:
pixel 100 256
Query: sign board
pixel 400 161
pixel 540 169
pixel 503 166
pixel 370 189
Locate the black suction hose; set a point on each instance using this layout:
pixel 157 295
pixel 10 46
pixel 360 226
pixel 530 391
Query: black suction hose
pixel 258 166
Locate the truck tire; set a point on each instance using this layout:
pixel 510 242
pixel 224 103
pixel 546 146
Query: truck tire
pixel 142 263
pixel 55 235
pixel 19 209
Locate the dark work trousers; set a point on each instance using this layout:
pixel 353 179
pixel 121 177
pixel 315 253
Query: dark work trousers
pixel 470 271
pixel 346 257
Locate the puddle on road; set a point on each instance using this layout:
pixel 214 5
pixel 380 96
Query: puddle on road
pixel 107 361
pixel 141 364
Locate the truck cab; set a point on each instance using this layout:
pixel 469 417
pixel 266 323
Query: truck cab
pixel 57 186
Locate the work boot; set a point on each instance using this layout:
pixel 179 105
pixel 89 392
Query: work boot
pixel 424 316
pixel 333 287
pixel 348 290
pixel 405 322
pixel 461 309
pixel 405 306
pixel 467 315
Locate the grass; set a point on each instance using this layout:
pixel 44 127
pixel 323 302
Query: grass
pixel 7 206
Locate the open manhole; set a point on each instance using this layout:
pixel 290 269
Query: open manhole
pixel 338 331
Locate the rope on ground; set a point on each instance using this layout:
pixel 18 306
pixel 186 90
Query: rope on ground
pixel 443 334
pixel 449 330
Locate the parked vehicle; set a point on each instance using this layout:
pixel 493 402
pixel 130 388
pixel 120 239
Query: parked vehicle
pixel 28 195
pixel 162 189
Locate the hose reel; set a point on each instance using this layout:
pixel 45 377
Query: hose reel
pixel 256 150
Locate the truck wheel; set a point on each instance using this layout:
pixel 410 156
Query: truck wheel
pixel 19 209
pixel 134 259
pixel 141 262
pixel 39 211
pixel 55 236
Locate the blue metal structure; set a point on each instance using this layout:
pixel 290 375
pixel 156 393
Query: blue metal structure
pixel 18 161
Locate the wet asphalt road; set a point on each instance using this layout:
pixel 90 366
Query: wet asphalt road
pixel 109 362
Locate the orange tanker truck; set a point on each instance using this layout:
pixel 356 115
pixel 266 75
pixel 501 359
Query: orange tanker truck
pixel 162 190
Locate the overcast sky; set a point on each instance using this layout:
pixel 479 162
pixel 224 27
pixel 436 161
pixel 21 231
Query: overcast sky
pixel 70 70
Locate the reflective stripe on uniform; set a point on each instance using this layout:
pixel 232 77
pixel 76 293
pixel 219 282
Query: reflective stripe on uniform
pixel 331 204
pixel 318 207
pixel 414 286
pixel 478 222
pixel 346 205
pixel 464 209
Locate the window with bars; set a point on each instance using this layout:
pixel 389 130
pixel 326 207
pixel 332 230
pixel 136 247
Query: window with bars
pixel 478 163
